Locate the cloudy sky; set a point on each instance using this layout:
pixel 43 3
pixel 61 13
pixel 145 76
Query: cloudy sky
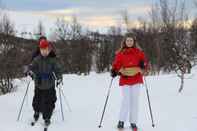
pixel 94 13
pixel 62 4
pixel 81 7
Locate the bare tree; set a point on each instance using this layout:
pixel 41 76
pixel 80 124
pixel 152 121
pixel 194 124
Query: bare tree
pixel 61 29
pixel 174 45
pixel 126 20
pixel 7 55
pixel 76 29
pixel 40 30
pixel 193 31
pixel 6 26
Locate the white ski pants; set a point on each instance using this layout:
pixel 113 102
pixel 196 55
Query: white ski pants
pixel 129 105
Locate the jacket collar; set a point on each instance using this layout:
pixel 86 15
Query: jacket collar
pixel 129 50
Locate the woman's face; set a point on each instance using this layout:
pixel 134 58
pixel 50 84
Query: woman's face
pixel 129 42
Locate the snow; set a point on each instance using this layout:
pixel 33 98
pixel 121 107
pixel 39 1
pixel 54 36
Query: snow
pixel 172 111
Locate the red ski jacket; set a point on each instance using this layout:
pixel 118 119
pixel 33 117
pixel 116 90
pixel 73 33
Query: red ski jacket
pixel 129 57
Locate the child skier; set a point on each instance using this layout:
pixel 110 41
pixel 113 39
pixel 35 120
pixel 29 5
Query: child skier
pixel 129 63
pixel 42 70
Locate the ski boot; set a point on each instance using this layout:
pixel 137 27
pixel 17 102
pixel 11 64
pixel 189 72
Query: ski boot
pixel 47 122
pixel 120 125
pixel 134 127
pixel 36 117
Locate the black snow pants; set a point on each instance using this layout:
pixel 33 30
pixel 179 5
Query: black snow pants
pixel 44 102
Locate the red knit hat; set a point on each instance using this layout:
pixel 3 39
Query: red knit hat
pixel 43 44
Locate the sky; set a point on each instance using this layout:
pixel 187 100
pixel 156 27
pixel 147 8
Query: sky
pixel 62 4
pixel 82 8
pixel 92 13
pixel 88 8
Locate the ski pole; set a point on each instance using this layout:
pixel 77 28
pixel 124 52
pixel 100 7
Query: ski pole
pixel 66 101
pixel 149 104
pixel 23 101
pixel 60 97
pixel 108 93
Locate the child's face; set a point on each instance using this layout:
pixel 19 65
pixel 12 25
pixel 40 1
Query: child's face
pixel 44 51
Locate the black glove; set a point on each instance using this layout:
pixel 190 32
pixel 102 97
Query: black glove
pixel 31 74
pixel 141 64
pixel 28 72
pixel 113 73
pixel 59 81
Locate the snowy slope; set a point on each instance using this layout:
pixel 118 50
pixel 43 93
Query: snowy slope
pixel 86 95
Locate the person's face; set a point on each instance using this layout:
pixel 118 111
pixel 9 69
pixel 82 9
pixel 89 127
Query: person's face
pixel 44 51
pixel 129 42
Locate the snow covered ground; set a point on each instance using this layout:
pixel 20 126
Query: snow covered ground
pixel 172 111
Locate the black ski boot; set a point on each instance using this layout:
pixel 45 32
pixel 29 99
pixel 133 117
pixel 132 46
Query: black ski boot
pixel 120 125
pixel 47 122
pixel 36 117
pixel 134 127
